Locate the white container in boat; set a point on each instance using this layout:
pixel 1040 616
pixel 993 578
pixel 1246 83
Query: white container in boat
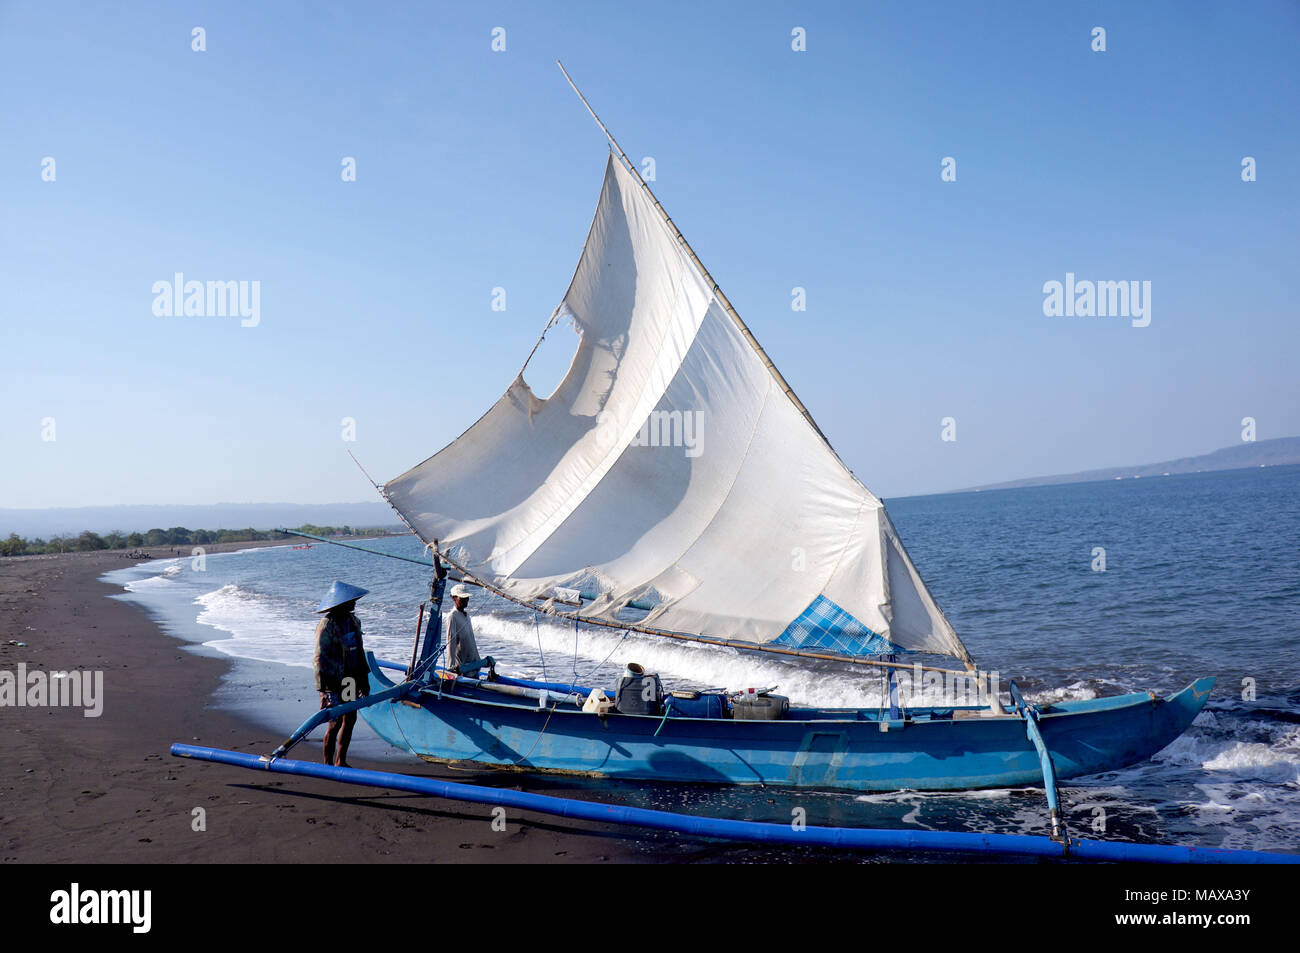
pixel 596 703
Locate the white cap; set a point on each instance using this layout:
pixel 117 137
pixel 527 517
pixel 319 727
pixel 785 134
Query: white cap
pixel 460 591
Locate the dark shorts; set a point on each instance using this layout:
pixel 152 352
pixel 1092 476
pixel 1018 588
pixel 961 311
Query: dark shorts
pixel 330 699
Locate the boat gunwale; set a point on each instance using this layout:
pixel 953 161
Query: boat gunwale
pixel 863 715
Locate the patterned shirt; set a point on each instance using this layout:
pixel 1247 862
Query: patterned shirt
pixel 340 653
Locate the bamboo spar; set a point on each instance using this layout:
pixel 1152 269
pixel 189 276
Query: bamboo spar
pixel 722 298
pixel 471 579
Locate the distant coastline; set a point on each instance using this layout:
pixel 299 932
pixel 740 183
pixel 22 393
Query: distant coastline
pixel 128 518
pixel 1279 452
pixel 178 540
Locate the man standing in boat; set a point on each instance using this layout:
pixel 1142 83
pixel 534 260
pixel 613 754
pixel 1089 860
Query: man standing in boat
pixel 462 650
pixel 340 663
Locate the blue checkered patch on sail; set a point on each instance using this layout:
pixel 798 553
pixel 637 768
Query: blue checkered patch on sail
pixel 824 625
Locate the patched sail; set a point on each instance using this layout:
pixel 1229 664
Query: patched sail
pixel 671 467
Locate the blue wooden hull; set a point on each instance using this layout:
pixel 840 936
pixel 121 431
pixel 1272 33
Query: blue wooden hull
pixel 836 749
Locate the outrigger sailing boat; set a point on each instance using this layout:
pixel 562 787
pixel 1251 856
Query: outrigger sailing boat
pixel 674 485
pixel 592 505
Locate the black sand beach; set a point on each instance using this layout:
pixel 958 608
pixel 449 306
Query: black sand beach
pixel 86 790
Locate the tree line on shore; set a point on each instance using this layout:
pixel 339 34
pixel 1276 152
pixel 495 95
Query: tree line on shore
pixel 87 541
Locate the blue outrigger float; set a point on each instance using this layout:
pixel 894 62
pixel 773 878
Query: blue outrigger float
pixel 602 505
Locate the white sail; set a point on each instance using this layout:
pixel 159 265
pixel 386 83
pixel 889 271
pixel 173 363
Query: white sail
pixel 670 466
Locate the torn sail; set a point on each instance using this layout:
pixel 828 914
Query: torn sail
pixel 670 466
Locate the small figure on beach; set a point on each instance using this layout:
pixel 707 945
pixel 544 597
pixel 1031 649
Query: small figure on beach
pixel 340 663
pixel 462 650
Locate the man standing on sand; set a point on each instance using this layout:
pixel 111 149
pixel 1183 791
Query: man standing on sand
pixel 340 664
pixel 462 650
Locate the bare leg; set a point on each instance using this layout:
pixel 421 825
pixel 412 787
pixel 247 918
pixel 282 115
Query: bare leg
pixel 345 738
pixel 330 734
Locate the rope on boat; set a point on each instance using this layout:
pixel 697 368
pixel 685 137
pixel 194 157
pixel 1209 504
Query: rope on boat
pixel 538 632
pixel 397 722
pixel 592 676
pixel 575 653
pixel 527 753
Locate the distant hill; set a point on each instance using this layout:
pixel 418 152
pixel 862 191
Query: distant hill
pixel 1279 452
pixel 139 519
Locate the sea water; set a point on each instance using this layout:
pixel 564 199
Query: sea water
pixel 1076 591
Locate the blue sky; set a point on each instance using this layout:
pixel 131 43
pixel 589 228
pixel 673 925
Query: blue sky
pixel 479 169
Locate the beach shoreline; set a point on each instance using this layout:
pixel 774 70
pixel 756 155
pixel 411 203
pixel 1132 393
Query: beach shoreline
pixel 79 789
pixel 105 789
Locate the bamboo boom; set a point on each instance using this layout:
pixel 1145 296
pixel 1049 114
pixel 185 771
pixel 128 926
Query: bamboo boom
pixel 471 579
